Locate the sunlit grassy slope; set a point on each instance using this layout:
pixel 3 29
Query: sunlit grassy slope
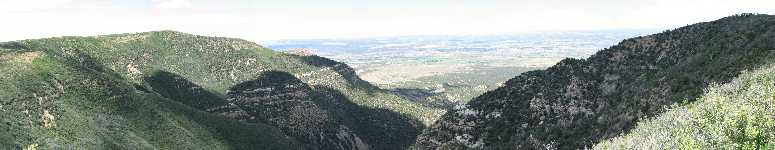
pixel 51 101
pixel 736 115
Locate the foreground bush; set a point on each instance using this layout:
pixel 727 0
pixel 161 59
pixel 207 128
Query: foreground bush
pixel 737 115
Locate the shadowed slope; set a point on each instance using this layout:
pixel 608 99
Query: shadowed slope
pixel 322 117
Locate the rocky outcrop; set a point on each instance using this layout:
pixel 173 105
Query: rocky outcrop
pixel 280 99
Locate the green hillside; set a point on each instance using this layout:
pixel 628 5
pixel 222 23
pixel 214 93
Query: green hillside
pixel 579 102
pixel 687 88
pixel 52 101
pixel 736 115
pixel 168 90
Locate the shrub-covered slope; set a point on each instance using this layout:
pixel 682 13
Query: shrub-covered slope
pixel 736 115
pixel 577 103
pixel 61 101
pixel 146 90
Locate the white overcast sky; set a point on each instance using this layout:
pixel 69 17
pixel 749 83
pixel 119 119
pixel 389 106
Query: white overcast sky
pixel 260 20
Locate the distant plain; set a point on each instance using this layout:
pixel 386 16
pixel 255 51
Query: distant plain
pixel 446 70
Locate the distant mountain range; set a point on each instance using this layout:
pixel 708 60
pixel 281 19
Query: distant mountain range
pixel 362 52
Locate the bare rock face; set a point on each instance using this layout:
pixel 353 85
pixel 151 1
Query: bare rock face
pixel 577 103
pixel 282 100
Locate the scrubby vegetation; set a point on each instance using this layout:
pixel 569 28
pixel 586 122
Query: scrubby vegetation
pixel 171 90
pixel 62 102
pixel 578 102
pixel 736 115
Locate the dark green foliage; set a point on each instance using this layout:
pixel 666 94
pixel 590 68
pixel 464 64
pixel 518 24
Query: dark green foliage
pixel 166 90
pixel 577 103
pixel 179 89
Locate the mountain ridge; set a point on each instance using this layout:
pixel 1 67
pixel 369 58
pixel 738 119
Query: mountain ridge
pixel 175 72
pixel 173 90
pixel 577 102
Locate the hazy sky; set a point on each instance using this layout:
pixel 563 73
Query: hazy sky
pixel 283 19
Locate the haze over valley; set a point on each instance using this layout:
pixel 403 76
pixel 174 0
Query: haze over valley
pixel 387 74
pixel 450 69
